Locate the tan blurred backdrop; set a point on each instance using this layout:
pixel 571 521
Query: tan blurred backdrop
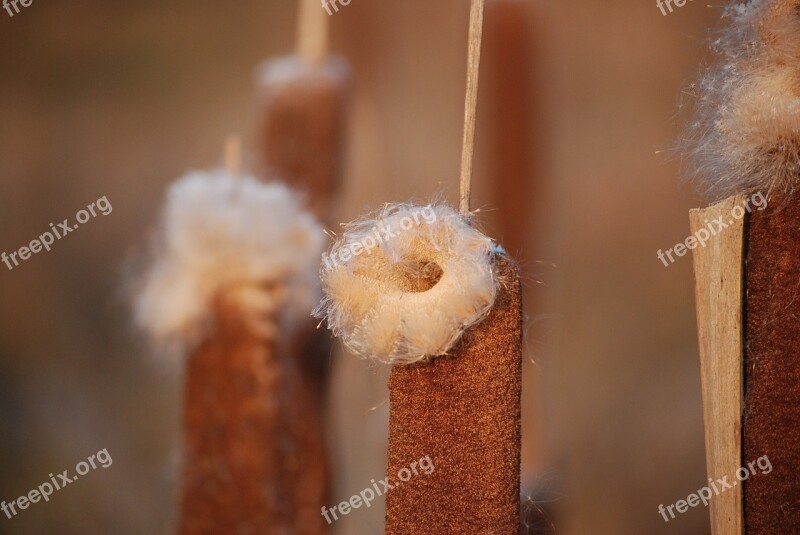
pixel 119 98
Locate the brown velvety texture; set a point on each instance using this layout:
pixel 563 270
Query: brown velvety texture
pixel 772 368
pixel 307 461
pixel 301 140
pixel 302 131
pixel 232 420
pixel 463 411
pixel 251 465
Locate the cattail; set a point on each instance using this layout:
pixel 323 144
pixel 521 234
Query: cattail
pixel 232 278
pixel 301 134
pixel 745 145
pixel 300 137
pixel 301 128
pixel 419 288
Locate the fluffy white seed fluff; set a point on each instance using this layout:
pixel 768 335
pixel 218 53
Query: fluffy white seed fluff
pixel 224 232
pixel 402 285
pixel 745 136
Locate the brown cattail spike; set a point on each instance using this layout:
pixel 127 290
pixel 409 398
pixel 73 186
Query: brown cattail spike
pixel 301 140
pixel 232 250
pixel 301 133
pixel 233 400
pixel 438 300
pixel 772 370
pixel 462 411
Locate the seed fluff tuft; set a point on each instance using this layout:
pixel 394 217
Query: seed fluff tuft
pixel 745 133
pixel 401 285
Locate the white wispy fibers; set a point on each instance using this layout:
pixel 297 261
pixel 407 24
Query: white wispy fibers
pixel 403 284
pixel 745 134
pixel 223 232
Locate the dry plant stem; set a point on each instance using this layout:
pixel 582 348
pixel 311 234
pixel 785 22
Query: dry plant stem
pixel 718 291
pixel 463 410
pixel 233 154
pixel 312 31
pixel 233 405
pixel 772 371
pixel 471 102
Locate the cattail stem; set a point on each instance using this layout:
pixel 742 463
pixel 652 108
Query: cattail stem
pixel 312 31
pixel 471 102
pixel 743 142
pixel 233 154
pixel 232 251
pixel 442 304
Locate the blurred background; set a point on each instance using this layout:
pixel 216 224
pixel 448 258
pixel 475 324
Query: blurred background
pixel 577 100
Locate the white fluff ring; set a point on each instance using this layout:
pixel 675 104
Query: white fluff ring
pixel 403 285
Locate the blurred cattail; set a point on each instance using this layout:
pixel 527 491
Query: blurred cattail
pixel 232 278
pixel 300 137
pixel 300 131
pixel 745 136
